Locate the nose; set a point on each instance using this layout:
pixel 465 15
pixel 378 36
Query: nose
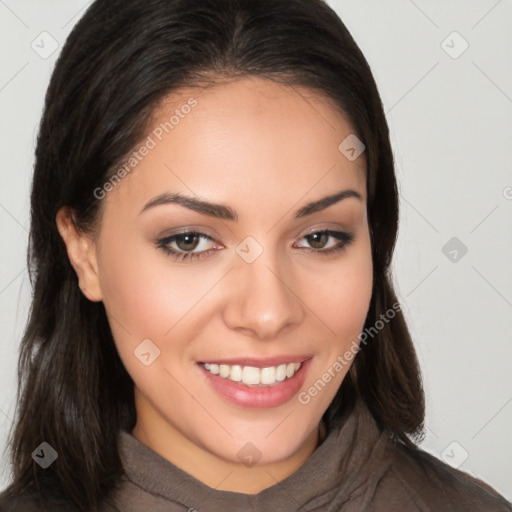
pixel 261 302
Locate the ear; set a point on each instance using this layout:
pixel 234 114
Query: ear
pixel 81 251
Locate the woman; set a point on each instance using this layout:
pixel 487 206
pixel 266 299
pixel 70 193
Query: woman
pixel 214 326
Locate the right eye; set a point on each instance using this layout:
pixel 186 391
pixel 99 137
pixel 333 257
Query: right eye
pixel 182 246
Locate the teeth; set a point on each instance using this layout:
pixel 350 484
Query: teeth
pixel 268 375
pixel 252 376
pixel 235 373
pixel 281 372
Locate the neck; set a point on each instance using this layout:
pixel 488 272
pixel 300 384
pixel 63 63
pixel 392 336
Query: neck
pixel 161 437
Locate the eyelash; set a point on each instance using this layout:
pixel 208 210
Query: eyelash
pixel 345 240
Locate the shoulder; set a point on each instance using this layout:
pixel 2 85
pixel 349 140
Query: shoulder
pixel 427 484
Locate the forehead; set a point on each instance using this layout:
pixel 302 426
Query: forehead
pixel 261 103
pixel 244 139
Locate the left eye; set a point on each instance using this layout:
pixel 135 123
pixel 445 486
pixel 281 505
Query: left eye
pixel 318 240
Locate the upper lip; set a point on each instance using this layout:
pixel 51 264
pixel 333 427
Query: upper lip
pixel 260 362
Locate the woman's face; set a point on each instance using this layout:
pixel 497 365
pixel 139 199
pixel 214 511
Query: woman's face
pixel 250 285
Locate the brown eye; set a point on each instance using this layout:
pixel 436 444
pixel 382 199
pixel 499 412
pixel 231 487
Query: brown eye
pixel 183 246
pixel 187 241
pixel 321 242
pixel 318 240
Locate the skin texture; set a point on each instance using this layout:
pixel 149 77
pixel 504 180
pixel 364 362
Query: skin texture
pixel 265 150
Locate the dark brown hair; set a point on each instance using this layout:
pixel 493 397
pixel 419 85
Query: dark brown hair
pixel 121 59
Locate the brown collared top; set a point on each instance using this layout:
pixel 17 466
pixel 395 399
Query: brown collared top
pixel 357 467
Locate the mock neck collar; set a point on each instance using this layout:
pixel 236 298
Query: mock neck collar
pixel 338 468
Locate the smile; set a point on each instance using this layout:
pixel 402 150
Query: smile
pixel 253 376
pixel 271 384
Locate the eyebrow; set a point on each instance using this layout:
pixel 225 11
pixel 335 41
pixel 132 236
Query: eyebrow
pixel 224 212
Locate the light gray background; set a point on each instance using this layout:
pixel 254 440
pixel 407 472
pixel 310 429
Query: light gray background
pixel 451 128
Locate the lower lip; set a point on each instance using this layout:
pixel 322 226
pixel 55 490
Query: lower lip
pixel 258 397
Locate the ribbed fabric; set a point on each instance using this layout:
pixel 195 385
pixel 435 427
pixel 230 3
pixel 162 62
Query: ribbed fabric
pixel 356 468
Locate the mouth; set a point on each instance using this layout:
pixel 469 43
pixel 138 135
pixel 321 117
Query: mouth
pixel 252 375
pixel 257 383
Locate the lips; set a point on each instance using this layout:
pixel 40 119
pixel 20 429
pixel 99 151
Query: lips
pixel 258 396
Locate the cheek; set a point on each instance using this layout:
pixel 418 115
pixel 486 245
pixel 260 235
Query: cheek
pixel 146 291
pixel 342 296
pixel 135 294
pixel 145 299
pixel 355 289
pixel 342 304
